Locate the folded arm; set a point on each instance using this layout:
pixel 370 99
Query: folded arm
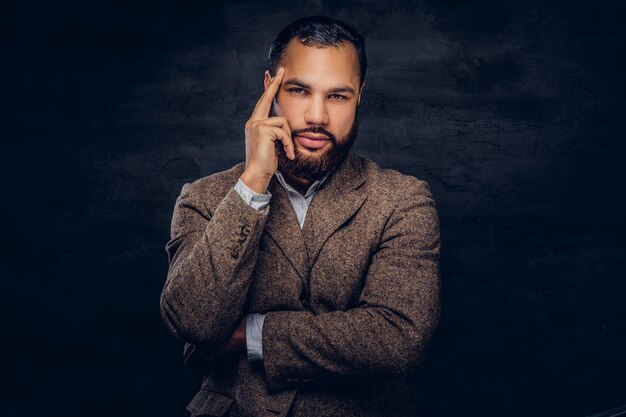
pixel 212 257
pixel 387 334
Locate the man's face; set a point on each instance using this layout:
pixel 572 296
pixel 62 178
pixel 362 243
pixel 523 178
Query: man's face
pixel 319 96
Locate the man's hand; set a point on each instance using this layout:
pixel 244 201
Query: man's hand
pixel 261 133
pixel 236 342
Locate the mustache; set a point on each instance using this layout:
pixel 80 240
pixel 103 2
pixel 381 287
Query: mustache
pixel 316 130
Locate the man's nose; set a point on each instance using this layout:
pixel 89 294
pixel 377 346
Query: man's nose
pixel 316 113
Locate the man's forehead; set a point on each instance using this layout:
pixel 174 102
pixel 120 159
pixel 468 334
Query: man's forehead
pixel 326 66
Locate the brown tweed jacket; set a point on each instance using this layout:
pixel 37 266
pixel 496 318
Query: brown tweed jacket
pixel 351 300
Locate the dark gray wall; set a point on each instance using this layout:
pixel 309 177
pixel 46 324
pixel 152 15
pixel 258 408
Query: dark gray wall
pixel 510 110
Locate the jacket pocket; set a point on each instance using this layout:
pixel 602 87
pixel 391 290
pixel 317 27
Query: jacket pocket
pixel 209 403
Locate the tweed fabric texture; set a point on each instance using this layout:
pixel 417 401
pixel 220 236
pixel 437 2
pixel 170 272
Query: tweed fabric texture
pixel 351 299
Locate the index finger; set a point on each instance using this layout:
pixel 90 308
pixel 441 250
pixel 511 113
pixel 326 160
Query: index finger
pixel 262 108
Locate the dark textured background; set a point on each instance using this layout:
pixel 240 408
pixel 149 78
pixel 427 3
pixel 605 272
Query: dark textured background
pixel 512 111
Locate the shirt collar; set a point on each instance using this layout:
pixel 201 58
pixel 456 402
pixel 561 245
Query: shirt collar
pixel 312 188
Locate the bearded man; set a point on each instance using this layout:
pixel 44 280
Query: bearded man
pixel 305 280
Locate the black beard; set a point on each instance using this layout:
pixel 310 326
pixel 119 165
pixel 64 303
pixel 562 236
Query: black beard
pixel 314 167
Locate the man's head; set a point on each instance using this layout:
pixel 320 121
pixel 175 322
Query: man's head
pixel 325 64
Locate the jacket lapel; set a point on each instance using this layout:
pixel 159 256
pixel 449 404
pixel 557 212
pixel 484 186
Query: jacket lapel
pixel 334 203
pixel 339 197
pixel 283 227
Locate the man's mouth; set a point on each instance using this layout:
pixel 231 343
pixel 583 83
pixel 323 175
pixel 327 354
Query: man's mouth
pixel 312 141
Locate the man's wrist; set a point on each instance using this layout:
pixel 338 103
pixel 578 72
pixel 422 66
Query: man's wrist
pixel 256 182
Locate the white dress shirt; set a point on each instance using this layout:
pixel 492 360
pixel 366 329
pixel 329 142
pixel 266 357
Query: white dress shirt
pixel 254 321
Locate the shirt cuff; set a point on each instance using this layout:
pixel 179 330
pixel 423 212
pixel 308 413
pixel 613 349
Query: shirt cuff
pixel 256 200
pixel 254 332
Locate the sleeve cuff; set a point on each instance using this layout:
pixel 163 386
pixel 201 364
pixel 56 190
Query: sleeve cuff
pixel 256 200
pixel 254 332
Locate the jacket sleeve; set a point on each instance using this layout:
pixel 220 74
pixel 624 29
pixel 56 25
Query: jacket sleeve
pixel 211 259
pixel 398 309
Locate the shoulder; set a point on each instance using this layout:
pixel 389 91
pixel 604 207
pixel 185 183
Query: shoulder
pixel 212 188
pixel 392 186
pixel 408 202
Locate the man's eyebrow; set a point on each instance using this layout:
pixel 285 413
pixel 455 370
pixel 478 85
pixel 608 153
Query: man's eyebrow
pixel 299 83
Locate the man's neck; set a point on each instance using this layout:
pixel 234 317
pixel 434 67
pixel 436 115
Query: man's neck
pixel 301 185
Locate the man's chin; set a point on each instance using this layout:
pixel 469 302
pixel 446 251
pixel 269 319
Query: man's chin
pixel 311 164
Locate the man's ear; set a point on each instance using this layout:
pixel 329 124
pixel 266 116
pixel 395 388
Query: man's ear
pixel 358 102
pixel 267 79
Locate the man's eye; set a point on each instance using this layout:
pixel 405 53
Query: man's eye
pixel 301 91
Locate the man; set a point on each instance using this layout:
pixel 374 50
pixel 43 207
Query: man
pixel 305 281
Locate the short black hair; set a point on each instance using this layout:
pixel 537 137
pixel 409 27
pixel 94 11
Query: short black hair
pixel 319 31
